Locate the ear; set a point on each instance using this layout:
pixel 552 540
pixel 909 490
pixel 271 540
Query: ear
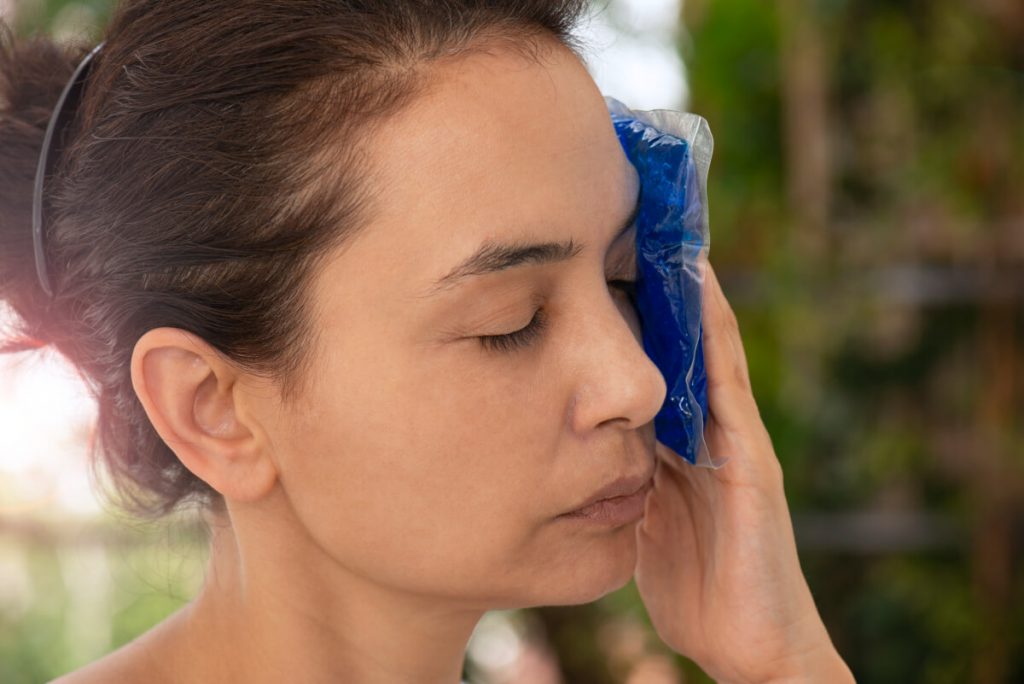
pixel 190 393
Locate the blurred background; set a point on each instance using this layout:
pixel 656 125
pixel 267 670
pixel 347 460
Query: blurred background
pixel 867 222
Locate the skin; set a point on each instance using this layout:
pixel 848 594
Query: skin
pixel 419 481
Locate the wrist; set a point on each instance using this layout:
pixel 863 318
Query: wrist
pixel 823 664
pixel 816 661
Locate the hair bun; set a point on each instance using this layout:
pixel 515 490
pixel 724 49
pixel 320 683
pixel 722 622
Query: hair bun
pixel 33 73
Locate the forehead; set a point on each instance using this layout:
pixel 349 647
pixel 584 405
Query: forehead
pixel 497 147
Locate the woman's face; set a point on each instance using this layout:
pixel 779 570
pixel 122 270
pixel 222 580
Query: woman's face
pixel 426 459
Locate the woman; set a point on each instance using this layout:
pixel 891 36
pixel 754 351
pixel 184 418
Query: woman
pixel 259 243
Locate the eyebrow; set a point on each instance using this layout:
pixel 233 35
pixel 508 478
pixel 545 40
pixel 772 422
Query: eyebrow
pixel 492 257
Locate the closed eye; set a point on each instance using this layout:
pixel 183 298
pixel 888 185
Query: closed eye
pixel 627 286
pixel 528 334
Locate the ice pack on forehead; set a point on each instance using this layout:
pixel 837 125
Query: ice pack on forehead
pixel 671 152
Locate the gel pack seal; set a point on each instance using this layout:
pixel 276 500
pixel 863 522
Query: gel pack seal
pixel 671 152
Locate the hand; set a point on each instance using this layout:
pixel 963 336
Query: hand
pixel 717 565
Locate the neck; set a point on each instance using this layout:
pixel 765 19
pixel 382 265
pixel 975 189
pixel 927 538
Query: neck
pixel 286 612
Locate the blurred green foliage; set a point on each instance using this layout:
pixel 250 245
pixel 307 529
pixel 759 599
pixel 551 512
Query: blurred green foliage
pixel 868 222
pixel 867 204
pixel 68 599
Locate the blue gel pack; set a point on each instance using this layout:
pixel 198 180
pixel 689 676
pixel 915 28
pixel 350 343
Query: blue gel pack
pixel 671 152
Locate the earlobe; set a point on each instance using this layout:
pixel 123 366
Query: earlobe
pixel 188 391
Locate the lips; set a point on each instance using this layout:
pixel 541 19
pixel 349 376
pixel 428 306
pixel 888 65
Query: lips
pixel 621 487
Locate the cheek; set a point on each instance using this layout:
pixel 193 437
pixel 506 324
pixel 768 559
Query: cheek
pixel 436 466
pixel 443 479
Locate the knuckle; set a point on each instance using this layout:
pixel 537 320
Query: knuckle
pixel 777 471
pixel 732 322
pixel 740 376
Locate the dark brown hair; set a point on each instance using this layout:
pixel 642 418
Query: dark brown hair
pixel 214 160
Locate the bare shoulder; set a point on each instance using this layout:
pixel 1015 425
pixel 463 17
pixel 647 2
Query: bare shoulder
pixel 120 666
pixel 149 659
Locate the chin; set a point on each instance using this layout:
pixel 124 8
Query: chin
pixel 599 569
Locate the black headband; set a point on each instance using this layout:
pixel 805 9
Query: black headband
pixel 62 113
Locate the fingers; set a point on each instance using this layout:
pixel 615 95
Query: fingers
pixel 724 357
pixel 734 428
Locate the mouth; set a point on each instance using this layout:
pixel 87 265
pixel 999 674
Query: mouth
pixel 618 503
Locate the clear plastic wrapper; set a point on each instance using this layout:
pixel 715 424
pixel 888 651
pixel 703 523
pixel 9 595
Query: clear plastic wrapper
pixel 671 152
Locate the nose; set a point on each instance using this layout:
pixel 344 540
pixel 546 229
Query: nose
pixel 616 380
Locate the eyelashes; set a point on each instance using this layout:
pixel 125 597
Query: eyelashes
pixel 627 286
pixel 519 339
pixel 532 331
